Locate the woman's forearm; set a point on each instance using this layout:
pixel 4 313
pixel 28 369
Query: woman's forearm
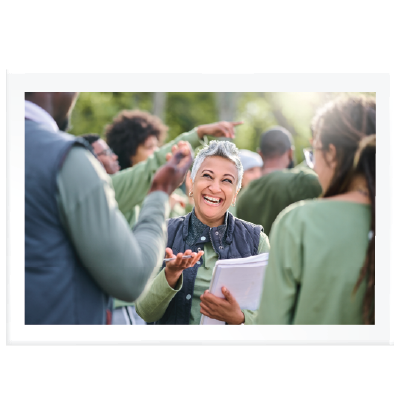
pixel 153 303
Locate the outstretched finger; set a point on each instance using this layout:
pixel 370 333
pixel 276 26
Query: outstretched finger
pixel 169 253
pixel 182 262
pixel 178 261
pixel 188 262
pixel 237 123
pixel 227 131
pixel 197 257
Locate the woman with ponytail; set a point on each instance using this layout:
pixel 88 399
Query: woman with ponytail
pixel 322 261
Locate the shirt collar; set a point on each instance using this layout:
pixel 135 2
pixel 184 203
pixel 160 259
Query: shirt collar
pixel 39 115
pixel 197 230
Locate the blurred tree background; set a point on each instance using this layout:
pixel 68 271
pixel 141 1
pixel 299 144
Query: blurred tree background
pixel 183 111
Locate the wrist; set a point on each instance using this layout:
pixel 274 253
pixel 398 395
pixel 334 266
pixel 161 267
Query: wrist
pixel 200 130
pixel 172 277
pixel 237 320
pixel 162 187
pixel 240 318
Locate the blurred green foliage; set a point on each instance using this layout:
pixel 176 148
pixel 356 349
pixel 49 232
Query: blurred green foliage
pixel 94 110
pixel 185 110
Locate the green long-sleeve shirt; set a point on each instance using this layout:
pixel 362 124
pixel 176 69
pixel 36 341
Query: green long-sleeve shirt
pixel 119 260
pixel 318 248
pixel 132 184
pixel 154 301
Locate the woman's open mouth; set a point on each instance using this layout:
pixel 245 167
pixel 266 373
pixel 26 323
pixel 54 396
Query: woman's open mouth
pixel 212 201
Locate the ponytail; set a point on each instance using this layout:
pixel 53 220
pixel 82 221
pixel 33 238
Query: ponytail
pixel 365 164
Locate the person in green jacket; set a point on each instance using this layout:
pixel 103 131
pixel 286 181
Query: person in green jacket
pixel 322 262
pixel 134 136
pixel 280 185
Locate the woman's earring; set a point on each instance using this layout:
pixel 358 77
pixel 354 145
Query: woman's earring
pixel 191 193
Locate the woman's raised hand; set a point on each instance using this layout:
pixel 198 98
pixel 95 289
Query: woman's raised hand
pixel 174 268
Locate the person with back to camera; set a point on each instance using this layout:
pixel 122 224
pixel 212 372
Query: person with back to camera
pixel 130 191
pixel 280 185
pixel 73 228
pixel 179 293
pixel 321 268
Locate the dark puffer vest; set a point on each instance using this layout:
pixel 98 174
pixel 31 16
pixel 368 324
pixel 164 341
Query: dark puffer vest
pixel 58 288
pixel 241 240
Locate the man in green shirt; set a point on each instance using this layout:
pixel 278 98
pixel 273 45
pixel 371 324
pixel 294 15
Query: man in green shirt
pixel 280 185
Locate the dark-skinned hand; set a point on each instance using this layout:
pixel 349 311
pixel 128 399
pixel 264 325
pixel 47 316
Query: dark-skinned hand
pixel 172 174
pixel 222 309
pixel 174 268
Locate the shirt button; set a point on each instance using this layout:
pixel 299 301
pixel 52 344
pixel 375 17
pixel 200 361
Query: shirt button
pixel 220 247
pixel 188 296
pixel 198 262
pixel 203 238
pixel 199 249
pixel 217 233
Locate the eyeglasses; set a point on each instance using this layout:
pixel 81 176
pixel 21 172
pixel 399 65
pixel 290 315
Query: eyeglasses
pixel 309 156
pixel 106 152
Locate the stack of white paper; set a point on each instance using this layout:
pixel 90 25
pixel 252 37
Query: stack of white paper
pixel 243 277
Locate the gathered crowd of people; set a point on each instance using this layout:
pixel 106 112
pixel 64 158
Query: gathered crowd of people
pixel 127 231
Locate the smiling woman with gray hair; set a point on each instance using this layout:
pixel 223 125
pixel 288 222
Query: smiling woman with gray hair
pixel 179 293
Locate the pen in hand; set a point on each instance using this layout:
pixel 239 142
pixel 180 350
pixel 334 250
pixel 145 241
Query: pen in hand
pixel 173 258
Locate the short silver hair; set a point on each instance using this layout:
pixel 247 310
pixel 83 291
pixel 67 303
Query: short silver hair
pixel 221 148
